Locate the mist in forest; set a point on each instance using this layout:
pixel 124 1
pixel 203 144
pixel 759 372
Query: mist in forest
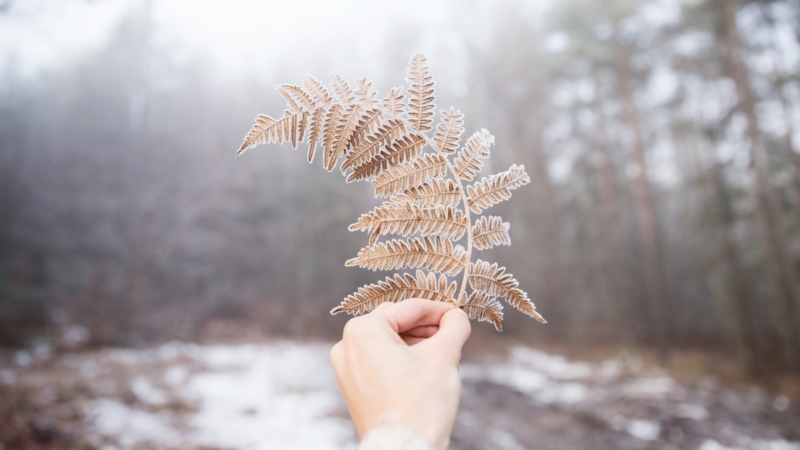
pixel 661 138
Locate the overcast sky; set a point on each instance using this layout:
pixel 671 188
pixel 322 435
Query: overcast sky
pixel 236 35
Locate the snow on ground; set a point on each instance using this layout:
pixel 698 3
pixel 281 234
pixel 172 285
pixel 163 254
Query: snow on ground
pixel 283 395
pixel 245 397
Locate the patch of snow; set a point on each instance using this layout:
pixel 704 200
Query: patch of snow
pixel 522 379
pixel 749 444
pixel 147 393
pixel 75 335
pixel 130 427
pixel 22 358
pixel 691 411
pixel 644 429
pixel 710 444
pixel 781 403
pixel 569 393
pixel 281 396
pixel 556 367
pixel 504 440
pixel 177 375
pixel 775 445
pixel 652 387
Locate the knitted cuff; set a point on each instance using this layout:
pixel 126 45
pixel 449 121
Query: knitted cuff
pixel 392 435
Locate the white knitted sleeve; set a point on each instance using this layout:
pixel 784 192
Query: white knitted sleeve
pixel 393 437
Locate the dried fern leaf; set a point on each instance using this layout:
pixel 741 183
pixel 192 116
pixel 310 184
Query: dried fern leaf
pixel 484 308
pixel 344 131
pixel 397 289
pixel 448 131
pixel 421 94
pixel 293 129
pixel 403 149
pixel 407 219
pixel 305 116
pixel 268 130
pixel 342 89
pixel 468 163
pixel 297 97
pixel 496 188
pixel 370 147
pixel 290 101
pixel 318 91
pixel 332 119
pixel 489 232
pixel 315 126
pixel 437 192
pixel 393 103
pixel 415 173
pixel 367 124
pixel 365 94
pixel 494 281
pixel 437 255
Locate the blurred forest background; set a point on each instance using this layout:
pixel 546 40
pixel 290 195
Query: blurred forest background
pixel 662 139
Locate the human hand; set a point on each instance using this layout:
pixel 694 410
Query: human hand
pixel 401 362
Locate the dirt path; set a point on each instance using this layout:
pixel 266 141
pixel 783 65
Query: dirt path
pixel 283 396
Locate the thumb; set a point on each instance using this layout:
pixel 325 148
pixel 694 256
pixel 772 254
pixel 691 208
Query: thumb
pixel 454 330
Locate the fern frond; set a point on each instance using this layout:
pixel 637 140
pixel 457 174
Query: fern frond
pixel 398 289
pixel 496 188
pixel 315 124
pixel 297 97
pixel 318 91
pixel 393 103
pixel 383 141
pixel 332 119
pixel 467 163
pixel 437 255
pixel 407 219
pixel 268 130
pixel 365 94
pixel 494 281
pixel 448 131
pixel 403 149
pixel 415 173
pixel 344 131
pixel 373 144
pixel 489 232
pixel 421 94
pixel 436 192
pixel 342 89
pixel 367 124
pixel 484 308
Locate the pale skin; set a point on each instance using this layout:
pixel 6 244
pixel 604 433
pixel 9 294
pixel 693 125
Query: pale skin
pixel 400 362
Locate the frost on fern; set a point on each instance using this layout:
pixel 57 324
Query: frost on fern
pixel 423 170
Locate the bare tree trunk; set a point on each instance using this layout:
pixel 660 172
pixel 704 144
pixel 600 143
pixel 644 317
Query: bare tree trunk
pixel 611 212
pixel 779 264
pixel 736 274
pixel 791 154
pixel 645 211
pixel 547 236
pixel 782 78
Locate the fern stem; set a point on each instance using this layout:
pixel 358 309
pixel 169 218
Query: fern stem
pixel 463 200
